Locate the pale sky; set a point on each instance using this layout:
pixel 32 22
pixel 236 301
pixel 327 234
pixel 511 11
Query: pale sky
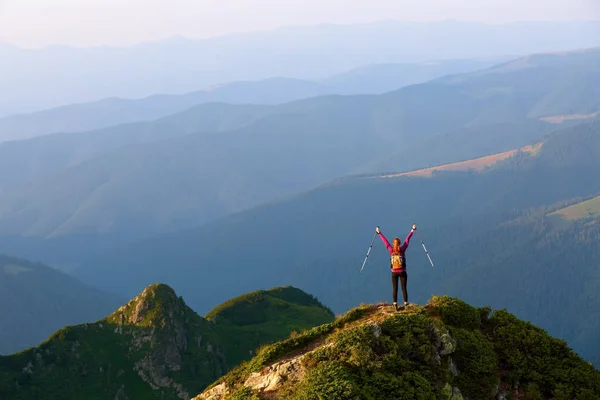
pixel 34 23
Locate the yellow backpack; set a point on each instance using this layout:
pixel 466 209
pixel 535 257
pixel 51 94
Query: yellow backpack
pixel 397 261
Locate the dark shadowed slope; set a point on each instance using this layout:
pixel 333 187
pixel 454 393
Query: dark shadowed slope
pixel 41 158
pixel 36 300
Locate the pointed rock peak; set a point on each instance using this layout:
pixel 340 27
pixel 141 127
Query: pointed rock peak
pixel 160 290
pixel 154 307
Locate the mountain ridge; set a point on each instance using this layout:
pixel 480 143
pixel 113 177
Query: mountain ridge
pixel 154 346
pixel 244 144
pixel 445 349
pixel 110 112
pixel 110 71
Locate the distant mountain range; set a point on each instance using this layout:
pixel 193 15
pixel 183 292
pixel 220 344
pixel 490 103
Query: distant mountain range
pixel 372 79
pixel 155 347
pixel 35 79
pixel 148 178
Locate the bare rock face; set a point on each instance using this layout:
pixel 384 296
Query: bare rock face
pixel 267 381
pixel 155 321
pixel 376 328
pixel 216 393
pixel 272 377
pixel 445 343
pixel 167 340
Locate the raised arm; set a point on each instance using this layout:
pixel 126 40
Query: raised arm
pixel 407 240
pixel 385 241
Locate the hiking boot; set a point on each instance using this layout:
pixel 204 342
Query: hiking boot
pixel 396 306
pixel 406 303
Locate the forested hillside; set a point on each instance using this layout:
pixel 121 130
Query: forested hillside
pixel 214 160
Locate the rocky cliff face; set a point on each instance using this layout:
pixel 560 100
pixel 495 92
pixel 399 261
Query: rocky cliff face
pixel 160 330
pixel 444 350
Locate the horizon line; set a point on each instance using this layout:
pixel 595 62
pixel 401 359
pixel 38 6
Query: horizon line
pixel 179 37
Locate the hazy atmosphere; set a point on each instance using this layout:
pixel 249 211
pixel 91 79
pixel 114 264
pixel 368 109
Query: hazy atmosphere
pixel 34 23
pixel 299 200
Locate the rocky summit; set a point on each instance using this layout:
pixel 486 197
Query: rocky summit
pixel 443 350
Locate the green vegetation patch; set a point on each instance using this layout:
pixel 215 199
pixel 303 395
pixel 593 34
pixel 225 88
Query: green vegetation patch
pixel 455 312
pixel 532 357
pixel 258 318
pixel 477 364
pixel 254 307
pixel 390 360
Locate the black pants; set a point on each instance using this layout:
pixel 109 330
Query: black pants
pixel 403 280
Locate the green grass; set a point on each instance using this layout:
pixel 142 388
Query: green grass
pixel 258 318
pixel 236 308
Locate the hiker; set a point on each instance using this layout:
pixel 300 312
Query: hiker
pixel 398 264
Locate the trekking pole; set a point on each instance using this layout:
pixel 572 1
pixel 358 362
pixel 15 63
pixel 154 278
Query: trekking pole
pixel 425 248
pixel 368 252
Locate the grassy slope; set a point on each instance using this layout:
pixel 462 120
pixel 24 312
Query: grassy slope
pixel 157 334
pixel 262 317
pixel 586 209
pixel 410 358
pixel 475 165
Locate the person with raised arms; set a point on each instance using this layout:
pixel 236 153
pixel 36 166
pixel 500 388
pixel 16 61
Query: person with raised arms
pixel 398 264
